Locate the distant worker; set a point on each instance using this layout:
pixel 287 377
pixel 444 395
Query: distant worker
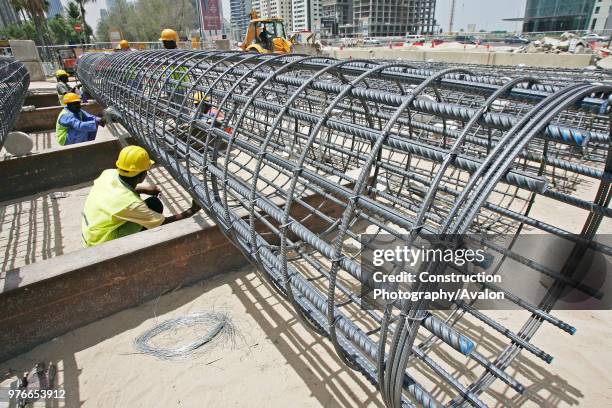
pixel 124 45
pixel 169 39
pixel 74 125
pixel 62 86
pixel 114 208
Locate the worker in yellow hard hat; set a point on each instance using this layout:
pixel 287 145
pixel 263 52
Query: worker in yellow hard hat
pixel 114 208
pixel 124 45
pixel 169 38
pixel 175 90
pixel 62 86
pixel 74 125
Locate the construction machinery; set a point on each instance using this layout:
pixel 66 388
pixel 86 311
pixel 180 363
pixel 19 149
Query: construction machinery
pixel 266 35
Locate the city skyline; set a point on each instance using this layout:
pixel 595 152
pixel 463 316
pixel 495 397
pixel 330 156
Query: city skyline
pixel 485 14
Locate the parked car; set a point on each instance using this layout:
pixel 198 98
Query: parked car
pixel 592 37
pixel 516 39
pixel 467 39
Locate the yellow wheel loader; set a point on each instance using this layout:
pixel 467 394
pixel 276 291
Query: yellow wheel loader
pixel 266 35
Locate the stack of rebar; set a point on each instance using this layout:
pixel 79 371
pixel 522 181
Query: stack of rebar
pixel 14 82
pixel 296 158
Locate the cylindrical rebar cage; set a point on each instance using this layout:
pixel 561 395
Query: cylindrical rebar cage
pixel 14 82
pixel 297 157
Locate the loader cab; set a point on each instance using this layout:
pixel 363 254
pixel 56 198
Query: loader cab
pixel 266 35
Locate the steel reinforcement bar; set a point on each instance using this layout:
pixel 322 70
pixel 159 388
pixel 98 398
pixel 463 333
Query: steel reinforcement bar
pixel 305 163
pixel 14 82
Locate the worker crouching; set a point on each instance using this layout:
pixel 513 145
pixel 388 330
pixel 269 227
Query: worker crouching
pixel 74 125
pixel 114 208
pixel 62 86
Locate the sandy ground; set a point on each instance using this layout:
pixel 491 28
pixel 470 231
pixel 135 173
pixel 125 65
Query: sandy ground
pixel 277 362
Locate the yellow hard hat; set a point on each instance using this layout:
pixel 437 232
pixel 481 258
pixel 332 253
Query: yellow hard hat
pixel 197 97
pixel 70 98
pixel 60 72
pixel 169 35
pixel 132 161
pixel 124 44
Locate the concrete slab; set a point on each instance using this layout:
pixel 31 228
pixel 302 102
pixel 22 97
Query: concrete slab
pixel 45 140
pixel 43 85
pixel 469 56
pixel 46 118
pixel 26 52
pixel 277 361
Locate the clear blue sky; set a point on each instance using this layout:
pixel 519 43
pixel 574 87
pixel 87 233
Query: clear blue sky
pixel 486 14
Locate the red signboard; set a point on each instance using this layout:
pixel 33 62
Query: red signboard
pixel 77 28
pixel 211 14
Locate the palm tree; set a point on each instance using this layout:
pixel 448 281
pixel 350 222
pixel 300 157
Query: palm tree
pixel 35 9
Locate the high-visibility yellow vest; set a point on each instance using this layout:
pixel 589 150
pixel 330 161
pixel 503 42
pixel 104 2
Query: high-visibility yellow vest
pixel 107 197
pixel 61 131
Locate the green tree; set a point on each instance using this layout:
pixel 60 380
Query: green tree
pixel 35 10
pixel 62 30
pixel 87 31
pixel 19 31
pixel 144 19
pixel 73 17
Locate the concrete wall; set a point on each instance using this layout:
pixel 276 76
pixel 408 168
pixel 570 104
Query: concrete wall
pixel 466 57
pixel 46 299
pixel 45 118
pixel 55 168
pixel 26 52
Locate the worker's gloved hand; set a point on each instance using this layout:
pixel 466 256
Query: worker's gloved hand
pixel 101 122
pixel 195 207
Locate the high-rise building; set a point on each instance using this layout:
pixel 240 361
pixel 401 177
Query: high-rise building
pixel 601 19
pixel 381 18
pixel 55 8
pixel 239 18
pixel 275 8
pixel 336 14
pixel 8 15
pixel 306 15
pixel 557 15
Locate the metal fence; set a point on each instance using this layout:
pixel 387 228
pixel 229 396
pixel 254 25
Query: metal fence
pixel 294 157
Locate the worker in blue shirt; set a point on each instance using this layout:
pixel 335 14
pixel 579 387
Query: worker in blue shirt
pixel 74 125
